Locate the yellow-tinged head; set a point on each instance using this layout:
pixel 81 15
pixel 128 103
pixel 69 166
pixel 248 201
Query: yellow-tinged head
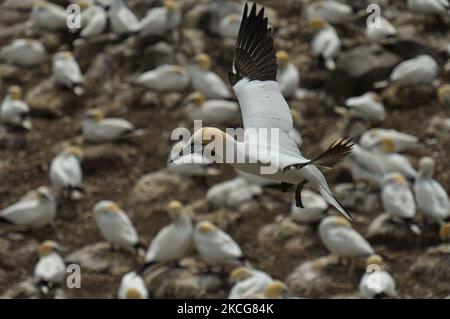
pixel 206 227
pixel 376 97
pixel 170 5
pixel 47 247
pixel 67 55
pixel 113 207
pixel 374 260
pixel 239 274
pixel 341 221
pixel 387 145
pixel 95 114
pixel 282 57
pixel 197 97
pixel 174 208
pixel 444 94
pixel 444 232
pixel 316 23
pixel 179 70
pixel 400 179
pixel 133 293
pixel 40 4
pixel 203 60
pixel 75 151
pixel 43 192
pixel 15 92
pixel 275 290
pixel 427 165
pixel 83 4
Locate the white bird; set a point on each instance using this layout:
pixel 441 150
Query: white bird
pixel 401 142
pixel 161 20
pixel 66 174
pixel 165 78
pixel 429 6
pixel 331 11
pixel 122 19
pixel 376 282
pixel 173 241
pixel 248 282
pixel 383 31
pixel 265 112
pixel 444 94
pixel 364 166
pixel 341 239
pixel 193 164
pixel 315 207
pixel 115 226
pixel 275 290
pixel 369 106
pixel 14 111
pixel 232 193
pixel 98 129
pixel 287 75
pixel 229 26
pixel 94 19
pixel 214 245
pixel 432 199
pixel 132 286
pixel 397 197
pixel 35 210
pixel 50 270
pixel 49 16
pixel 205 81
pixel 24 52
pixel 326 44
pixel 67 72
pixel 210 111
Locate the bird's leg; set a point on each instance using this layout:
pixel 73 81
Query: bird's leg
pixel 285 187
pixel 298 193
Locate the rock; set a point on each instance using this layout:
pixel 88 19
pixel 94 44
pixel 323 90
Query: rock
pixel 95 157
pixel 99 257
pixel 409 49
pixel 358 69
pixel 410 96
pixel 320 277
pixel 24 289
pixel 159 184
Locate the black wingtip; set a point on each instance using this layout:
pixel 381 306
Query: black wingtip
pixel 254 56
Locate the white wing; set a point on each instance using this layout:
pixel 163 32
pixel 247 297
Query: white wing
pixel 347 242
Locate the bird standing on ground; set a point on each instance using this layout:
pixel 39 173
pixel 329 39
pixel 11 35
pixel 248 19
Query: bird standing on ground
pixel 379 33
pixel 94 19
pixel 326 44
pixel 397 197
pixel 331 11
pixel 49 16
pixel 51 268
pixel 165 78
pixel 161 20
pixel 376 282
pixel 14 111
pixel 24 52
pixel 210 111
pixel 132 286
pixel 287 75
pixel 264 109
pixel 67 72
pixel 369 106
pixel 123 20
pixel 248 282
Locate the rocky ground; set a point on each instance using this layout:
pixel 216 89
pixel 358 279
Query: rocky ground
pixel 275 244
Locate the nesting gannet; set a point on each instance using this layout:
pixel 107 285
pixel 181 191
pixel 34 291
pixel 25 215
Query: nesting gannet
pixel 384 31
pixel 315 207
pixel 194 164
pixel 248 282
pixel 229 26
pixel 397 196
pixel 174 240
pixel 35 210
pixel 98 129
pixel 51 268
pixel 341 239
pixel 116 227
pixel 331 11
pixel 161 20
pixel 67 72
pixel 287 75
pixel 421 69
pixel 401 141
pixel 376 282
pixel 214 245
pixel 66 173
pixel 24 52
pixel 48 16
pixel 210 111
pixel 234 192
pixel 14 111
pixel 165 78
pixel 369 106
pixel 444 94
pixel 122 19
pixel 326 44
pixel 264 108
pixel 132 286
pixel 364 166
pixel 429 6
pixel 277 290
pixel 206 81
pixel 432 199
pixel 94 19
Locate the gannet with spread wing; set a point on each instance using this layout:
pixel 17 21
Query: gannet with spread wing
pixel 263 107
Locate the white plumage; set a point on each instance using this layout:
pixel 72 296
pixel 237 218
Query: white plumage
pixel 377 284
pixel 132 286
pixel 165 78
pixel 384 31
pixel 24 52
pixel 401 142
pixel 51 268
pixel 397 197
pixel 369 106
pixel 422 69
pixel 49 16
pixel 315 207
pixel 66 173
pixel 14 111
pixel 429 6
pixel 249 283
pixel 193 164
pixel 326 45
pixel 67 72
pixel 331 11
pixel 210 111
pixel 159 21
pixel 229 26
pixel 93 20
pixel 122 19
pixel 233 192
pixel 287 75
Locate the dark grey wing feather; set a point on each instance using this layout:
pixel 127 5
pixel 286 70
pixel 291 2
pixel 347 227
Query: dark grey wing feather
pixel 254 56
pixel 335 153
